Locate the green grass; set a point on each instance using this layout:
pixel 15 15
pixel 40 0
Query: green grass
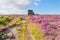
pixel 5 20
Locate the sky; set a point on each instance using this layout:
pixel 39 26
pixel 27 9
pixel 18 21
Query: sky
pixel 21 6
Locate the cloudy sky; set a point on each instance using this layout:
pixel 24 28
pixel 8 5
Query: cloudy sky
pixel 21 6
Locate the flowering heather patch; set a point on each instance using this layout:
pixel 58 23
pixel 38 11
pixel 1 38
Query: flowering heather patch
pixel 35 27
pixel 49 24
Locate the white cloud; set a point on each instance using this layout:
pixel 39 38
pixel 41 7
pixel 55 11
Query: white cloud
pixel 22 2
pixel 18 2
pixel 36 3
pixel 10 10
pixel 3 0
pixel 13 6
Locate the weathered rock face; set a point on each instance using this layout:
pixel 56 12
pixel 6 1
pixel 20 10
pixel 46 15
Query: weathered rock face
pixel 30 12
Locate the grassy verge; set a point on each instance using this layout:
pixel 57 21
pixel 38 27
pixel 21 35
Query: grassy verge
pixel 38 34
pixel 21 31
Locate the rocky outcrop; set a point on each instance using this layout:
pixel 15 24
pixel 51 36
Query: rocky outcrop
pixel 30 12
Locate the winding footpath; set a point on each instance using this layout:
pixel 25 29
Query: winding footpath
pixel 29 36
pixel 13 31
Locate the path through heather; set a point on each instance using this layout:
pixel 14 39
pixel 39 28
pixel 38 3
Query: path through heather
pixel 29 35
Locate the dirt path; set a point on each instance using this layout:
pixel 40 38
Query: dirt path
pixel 28 32
pixel 13 31
pixel 29 35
